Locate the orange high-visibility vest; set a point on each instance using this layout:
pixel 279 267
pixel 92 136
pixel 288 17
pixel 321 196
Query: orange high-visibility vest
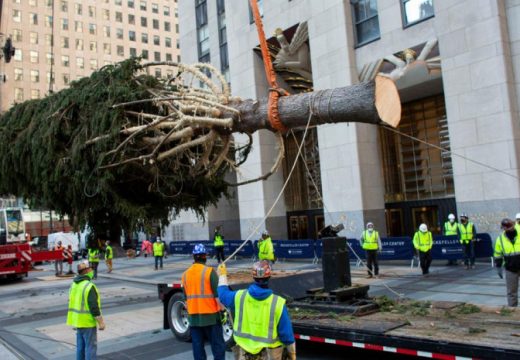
pixel 200 298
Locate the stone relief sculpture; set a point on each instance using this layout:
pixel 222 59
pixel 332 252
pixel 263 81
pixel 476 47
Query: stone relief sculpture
pixel 296 54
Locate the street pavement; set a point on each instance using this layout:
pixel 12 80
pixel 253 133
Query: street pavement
pixel 33 311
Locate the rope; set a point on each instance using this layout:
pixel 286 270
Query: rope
pixel 274 91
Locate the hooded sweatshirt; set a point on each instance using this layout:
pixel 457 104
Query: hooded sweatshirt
pixel 92 296
pixel 285 330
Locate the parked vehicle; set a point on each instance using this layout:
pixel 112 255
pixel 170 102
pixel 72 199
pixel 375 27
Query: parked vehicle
pixel 66 239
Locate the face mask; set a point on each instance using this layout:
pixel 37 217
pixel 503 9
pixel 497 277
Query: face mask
pixel 370 230
pixel 90 275
pixel 452 221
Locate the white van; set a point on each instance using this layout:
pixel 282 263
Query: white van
pixel 66 239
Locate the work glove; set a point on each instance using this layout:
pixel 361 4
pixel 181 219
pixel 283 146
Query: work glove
pixel 222 274
pixel 500 272
pixel 291 351
pixel 223 316
pixel 101 322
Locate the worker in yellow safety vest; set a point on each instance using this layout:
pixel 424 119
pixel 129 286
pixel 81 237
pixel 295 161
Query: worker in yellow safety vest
pixel 265 248
pixel 84 313
pixel 423 243
pixel 467 233
pixel 158 252
pixel 451 228
pixel 218 244
pixel 507 253
pixel 93 258
pixel 371 243
pixel 517 224
pixel 261 324
pixel 109 255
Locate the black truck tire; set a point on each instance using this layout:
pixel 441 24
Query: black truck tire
pixel 178 317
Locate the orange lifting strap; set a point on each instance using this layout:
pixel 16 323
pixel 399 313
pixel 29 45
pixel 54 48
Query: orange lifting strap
pixel 274 91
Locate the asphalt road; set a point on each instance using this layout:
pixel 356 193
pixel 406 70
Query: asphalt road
pixel 33 313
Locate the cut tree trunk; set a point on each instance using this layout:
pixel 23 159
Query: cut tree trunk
pixel 372 102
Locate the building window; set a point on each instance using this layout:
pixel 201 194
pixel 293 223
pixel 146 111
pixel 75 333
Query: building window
pixel 17 35
pixel 201 13
pixel 107 49
pixel 157 40
pixel 64 42
pixel 49 59
pixel 155 8
pixel 144 54
pixel 119 16
pixel 48 21
pixel 119 2
pixel 158 73
pixel 49 40
pixel 64 24
pixel 131 35
pixel 131 4
pixel 167 26
pixel 92 29
pixel 260 10
pixel 64 6
pixel 33 38
pixel 79 44
pixel 31 2
pixel 93 46
pixel 93 64
pixel 366 21
pixel 66 79
pixel 106 31
pixel 155 24
pixel 168 57
pixel 144 38
pixel 18 54
pixel 166 11
pixel 106 14
pixel 18 74
pixel 133 52
pixel 35 94
pixel 222 38
pixel 18 94
pixel 179 59
pixel 34 56
pixel 178 43
pixel 120 50
pixel 119 33
pixel 142 5
pixel 33 19
pixel 78 26
pixel 415 11
pixel 17 16
pixel 157 56
pixel 78 8
pixel 144 21
pixel 48 77
pixel 65 60
pixel 35 76
pixel 92 11
pixel 131 19
pixel 80 63
pixel 168 42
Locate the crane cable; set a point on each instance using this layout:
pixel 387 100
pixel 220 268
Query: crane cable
pixel 275 91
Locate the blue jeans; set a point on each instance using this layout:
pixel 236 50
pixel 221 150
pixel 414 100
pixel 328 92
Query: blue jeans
pixel 214 334
pixel 158 259
pixel 86 343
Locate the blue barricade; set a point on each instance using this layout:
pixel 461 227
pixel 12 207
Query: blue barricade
pixel 232 245
pixel 396 248
pixel 484 246
pixel 294 249
pixel 446 248
pixel 179 248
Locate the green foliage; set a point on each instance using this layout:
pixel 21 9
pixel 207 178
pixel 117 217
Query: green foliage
pixel 505 311
pixel 467 309
pixel 44 158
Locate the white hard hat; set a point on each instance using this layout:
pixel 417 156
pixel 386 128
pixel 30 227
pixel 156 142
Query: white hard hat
pixel 451 217
pixel 370 224
pixel 423 228
pixel 517 217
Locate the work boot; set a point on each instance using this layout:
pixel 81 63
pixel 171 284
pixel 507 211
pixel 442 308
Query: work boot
pixel 369 276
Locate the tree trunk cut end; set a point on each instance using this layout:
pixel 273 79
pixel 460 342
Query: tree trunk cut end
pixel 387 101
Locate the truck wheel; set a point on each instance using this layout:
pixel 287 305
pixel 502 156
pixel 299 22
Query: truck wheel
pixel 178 317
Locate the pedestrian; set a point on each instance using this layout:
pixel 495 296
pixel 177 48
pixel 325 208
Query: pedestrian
pixel 507 253
pixel 93 258
pixel 451 228
pixel 84 312
pixel 265 247
pixel 261 324
pixel 371 243
pixel 199 284
pixel 146 247
pixel 517 224
pixel 158 252
pixel 218 244
pixel 467 233
pixel 423 242
pixel 109 255
pixel 67 253
pixel 58 264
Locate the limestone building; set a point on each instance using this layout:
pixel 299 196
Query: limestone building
pixel 59 41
